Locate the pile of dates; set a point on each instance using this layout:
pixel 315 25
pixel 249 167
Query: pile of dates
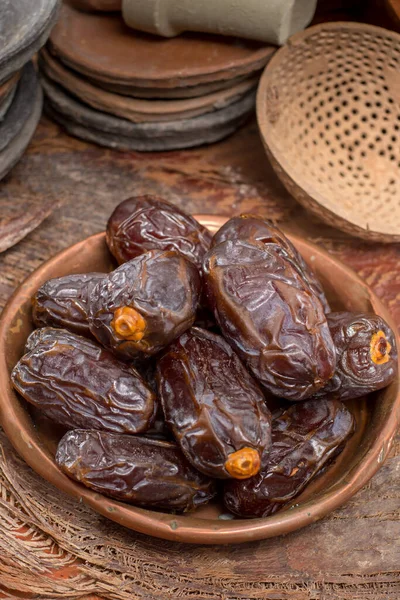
pixel 199 359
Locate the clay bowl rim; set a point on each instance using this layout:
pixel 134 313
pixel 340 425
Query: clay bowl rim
pixel 315 201
pixel 20 431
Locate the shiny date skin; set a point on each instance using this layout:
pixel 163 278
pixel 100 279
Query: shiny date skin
pixel 76 383
pixel 212 405
pixel 366 355
pixel 256 229
pixel 145 304
pixel 304 439
pixel 270 316
pixel 149 473
pixel 145 223
pixel 63 302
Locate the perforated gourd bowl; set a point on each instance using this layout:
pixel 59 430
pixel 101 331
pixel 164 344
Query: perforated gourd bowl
pixel 328 109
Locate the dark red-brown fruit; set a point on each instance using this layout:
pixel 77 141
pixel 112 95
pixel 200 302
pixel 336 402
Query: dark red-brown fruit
pixel 270 316
pixel 304 439
pixel 366 355
pixel 145 223
pixel 134 469
pixel 145 304
pixel 63 302
pixel 255 229
pixel 76 383
pixel 213 406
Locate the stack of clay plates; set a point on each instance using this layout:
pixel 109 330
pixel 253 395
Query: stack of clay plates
pixel 129 90
pixel 24 28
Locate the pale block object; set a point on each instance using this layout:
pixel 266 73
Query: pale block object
pixel 271 21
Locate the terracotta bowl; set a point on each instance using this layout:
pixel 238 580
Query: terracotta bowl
pixel 377 416
pixel 328 108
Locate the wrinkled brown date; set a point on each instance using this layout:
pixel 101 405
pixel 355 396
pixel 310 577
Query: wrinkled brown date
pixel 145 472
pixel 255 229
pixel 145 223
pixel 304 438
pixel 366 355
pixel 270 316
pixel 213 406
pixel 145 304
pixel 76 383
pixel 63 302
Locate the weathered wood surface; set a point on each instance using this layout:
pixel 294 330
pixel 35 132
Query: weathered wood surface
pixel 352 554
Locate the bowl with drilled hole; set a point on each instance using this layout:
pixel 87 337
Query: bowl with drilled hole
pixel 35 438
pixel 328 109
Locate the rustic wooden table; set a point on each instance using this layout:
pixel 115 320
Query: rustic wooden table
pixel 352 554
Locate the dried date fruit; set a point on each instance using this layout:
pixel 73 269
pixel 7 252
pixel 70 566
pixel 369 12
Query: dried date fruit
pixel 145 304
pixel 214 408
pixel 76 383
pixel 145 472
pixel 270 316
pixel 366 355
pixel 256 229
pixel 304 438
pixel 63 302
pixel 145 223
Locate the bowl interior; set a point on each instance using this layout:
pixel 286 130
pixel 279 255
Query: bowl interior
pixel 35 438
pixel 329 112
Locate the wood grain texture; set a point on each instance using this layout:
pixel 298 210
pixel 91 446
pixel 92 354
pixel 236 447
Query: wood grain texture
pixel 352 554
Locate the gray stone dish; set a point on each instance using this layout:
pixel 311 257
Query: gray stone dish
pixel 25 26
